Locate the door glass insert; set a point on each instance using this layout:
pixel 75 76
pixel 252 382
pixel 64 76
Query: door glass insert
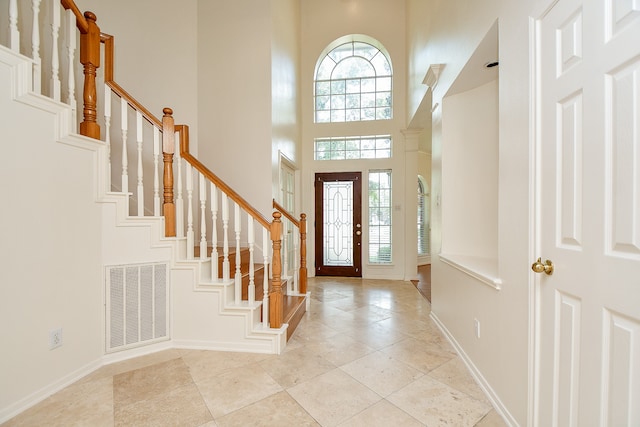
pixel 338 223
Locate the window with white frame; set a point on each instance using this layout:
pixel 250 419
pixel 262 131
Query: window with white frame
pixel 353 147
pixel 353 82
pixel 380 216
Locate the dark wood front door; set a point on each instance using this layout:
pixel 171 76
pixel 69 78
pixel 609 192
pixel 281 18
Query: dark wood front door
pixel 338 224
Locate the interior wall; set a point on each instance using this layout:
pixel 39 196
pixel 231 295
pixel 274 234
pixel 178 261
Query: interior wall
pixel 448 33
pixel 155 53
pixel 322 23
pixel 51 275
pixel 470 172
pixel 285 89
pixel 234 87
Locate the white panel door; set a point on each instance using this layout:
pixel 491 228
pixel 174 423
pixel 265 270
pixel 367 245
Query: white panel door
pixel 587 83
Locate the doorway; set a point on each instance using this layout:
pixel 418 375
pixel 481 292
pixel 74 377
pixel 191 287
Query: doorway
pixel 338 231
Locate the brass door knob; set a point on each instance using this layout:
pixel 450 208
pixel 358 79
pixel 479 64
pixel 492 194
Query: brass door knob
pixel 540 267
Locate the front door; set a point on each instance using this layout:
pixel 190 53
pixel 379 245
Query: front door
pixel 338 224
pixel 587 295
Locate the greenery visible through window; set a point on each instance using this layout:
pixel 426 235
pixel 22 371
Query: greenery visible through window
pixel 353 83
pixel 380 216
pixel 353 147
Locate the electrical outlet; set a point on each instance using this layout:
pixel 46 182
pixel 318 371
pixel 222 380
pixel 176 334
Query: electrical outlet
pixel 55 338
pixel 476 327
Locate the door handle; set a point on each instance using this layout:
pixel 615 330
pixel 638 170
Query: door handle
pixel 358 233
pixel 540 267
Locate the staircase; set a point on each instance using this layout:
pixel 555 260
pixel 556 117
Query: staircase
pixel 228 287
pixel 295 305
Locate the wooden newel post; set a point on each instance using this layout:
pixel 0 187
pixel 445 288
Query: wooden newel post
pixel 276 303
pixel 303 253
pixel 90 59
pixel 168 149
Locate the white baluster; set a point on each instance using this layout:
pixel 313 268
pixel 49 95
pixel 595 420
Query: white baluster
pixel 285 248
pixel 107 131
pixel 156 171
pixel 179 201
pixel 214 233
pixel 265 280
pixel 125 158
pixel 238 276
pixel 140 172
pixel 202 188
pixel 35 47
pixel 14 33
pixel 55 58
pixel 190 239
pixel 71 54
pixel 226 267
pixel 251 290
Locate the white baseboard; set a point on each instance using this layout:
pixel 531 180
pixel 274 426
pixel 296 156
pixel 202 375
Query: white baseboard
pixel 40 395
pixel 477 375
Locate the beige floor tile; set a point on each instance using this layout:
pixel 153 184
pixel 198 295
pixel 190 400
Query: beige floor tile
pixel 135 363
pixel 492 419
pixel 80 404
pixel 277 410
pixel 236 388
pixel 296 366
pixel 333 397
pixel 182 406
pixel 382 414
pixel 436 404
pixel 376 335
pixel 418 354
pixel 454 373
pixel 207 363
pixel 381 373
pixel 341 349
pixel 146 383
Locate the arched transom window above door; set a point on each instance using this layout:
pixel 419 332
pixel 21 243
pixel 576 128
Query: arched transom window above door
pixel 353 82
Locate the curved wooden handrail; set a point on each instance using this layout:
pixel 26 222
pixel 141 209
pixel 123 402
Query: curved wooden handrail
pixel 81 22
pixel 286 213
pixel 107 39
pixel 183 131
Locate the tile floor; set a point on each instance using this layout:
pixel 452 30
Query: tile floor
pixel 366 354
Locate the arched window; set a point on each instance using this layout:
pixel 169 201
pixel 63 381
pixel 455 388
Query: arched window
pixel 423 217
pixel 353 82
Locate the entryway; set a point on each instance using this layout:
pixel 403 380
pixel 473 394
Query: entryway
pixel 338 197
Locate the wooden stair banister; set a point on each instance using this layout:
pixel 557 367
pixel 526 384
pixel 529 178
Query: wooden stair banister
pixel 183 132
pixel 303 253
pixel 168 150
pixel 302 227
pixel 90 57
pixel 275 292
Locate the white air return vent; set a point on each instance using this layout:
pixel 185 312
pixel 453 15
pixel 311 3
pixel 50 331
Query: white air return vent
pixel 137 305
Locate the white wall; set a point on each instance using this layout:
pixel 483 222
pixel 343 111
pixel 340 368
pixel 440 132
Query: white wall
pixel 234 104
pixel 322 23
pixel 470 173
pixel 449 34
pixel 51 274
pixel 155 53
pixel 285 86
